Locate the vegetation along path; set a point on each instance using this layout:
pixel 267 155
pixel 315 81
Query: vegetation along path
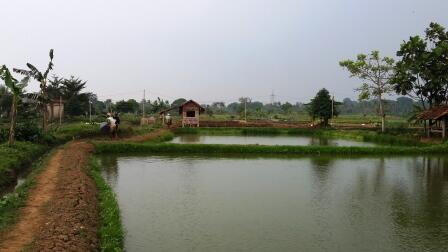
pixel 61 212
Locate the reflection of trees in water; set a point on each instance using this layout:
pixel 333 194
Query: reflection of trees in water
pixel 109 165
pixel 320 167
pixel 420 214
pixel 319 141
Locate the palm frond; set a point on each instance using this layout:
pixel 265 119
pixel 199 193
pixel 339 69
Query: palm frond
pixel 36 74
pixel 24 82
pixel 49 68
pixel 23 72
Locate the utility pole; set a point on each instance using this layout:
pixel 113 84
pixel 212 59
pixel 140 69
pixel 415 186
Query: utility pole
pixel 245 109
pixel 143 103
pixel 332 107
pixel 272 98
pixel 90 111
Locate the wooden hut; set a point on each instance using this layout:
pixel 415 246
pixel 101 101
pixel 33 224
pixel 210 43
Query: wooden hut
pixel 189 112
pixel 437 118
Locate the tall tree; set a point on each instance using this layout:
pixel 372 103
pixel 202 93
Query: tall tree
pixel 376 72
pixel 321 107
pixel 41 77
pixel 422 71
pixel 16 89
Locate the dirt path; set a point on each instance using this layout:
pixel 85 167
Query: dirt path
pixel 60 213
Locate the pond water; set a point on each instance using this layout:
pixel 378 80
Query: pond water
pixel 266 140
pixel 267 204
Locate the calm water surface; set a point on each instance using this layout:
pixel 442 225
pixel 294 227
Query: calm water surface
pixel 265 140
pixel 264 204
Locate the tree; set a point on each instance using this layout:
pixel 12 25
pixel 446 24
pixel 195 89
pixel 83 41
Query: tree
pixel 178 102
pixel 422 71
pixel 16 89
pixel 76 103
pixel 54 88
pixel 129 106
pixel 42 79
pixel 286 107
pixel 321 107
pixel 376 73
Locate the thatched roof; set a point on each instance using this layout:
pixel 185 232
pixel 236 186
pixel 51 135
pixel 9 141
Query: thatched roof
pixel 434 113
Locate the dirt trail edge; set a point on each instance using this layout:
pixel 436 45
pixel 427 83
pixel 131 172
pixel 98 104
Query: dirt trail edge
pixel 61 210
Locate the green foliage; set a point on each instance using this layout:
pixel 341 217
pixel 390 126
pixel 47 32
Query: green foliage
pixel 110 231
pixel 16 157
pixel 422 71
pixel 11 202
pixel 178 102
pixel 129 106
pixel 376 73
pixel 322 107
pixel 360 135
pixel 206 149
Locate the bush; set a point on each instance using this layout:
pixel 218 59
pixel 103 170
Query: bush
pixel 28 131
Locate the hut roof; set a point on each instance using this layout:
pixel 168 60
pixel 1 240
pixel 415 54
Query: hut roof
pixel 201 109
pixel 434 113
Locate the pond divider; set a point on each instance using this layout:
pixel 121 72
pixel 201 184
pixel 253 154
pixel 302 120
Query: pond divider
pixel 110 230
pixel 125 147
pixel 359 135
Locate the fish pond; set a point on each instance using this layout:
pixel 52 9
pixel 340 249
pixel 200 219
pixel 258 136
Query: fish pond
pixel 267 140
pixel 189 203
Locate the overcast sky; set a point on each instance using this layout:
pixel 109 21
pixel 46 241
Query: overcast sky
pixel 209 50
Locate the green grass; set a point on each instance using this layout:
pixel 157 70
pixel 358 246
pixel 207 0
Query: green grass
pixel 110 230
pixel 15 158
pixel 359 135
pixel 82 130
pixel 205 149
pixel 11 202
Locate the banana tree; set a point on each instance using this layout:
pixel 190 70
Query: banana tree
pixel 17 89
pixel 34 73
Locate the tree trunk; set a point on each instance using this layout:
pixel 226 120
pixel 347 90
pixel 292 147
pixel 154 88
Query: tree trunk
pixel 44 108
pixel 12 127
pixel 383 116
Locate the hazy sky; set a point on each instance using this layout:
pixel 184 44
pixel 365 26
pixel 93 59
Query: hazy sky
pixel 209 50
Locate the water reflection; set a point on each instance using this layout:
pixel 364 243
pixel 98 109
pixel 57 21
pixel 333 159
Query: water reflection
pixel 110 168
pixel 419 213
pixel 266 140
pixel 265 204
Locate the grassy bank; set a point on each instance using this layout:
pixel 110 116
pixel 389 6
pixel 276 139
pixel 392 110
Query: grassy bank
pixel 359 135
pixel 85 130
pixel 110 231
pixel 16 158
pixel 202 149
pixel 11 202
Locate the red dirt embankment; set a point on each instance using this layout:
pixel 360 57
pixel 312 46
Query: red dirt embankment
pixel 61 211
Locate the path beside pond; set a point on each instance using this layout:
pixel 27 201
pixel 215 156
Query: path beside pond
pixel 60 212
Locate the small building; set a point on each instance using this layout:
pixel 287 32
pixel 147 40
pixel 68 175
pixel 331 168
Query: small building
pixel 437 118
pixel 55 110
pixel 189 112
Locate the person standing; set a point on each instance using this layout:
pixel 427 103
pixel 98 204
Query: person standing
pixel 112 126
pixel 117 122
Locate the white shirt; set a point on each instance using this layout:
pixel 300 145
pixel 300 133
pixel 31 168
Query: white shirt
pixel 111 121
